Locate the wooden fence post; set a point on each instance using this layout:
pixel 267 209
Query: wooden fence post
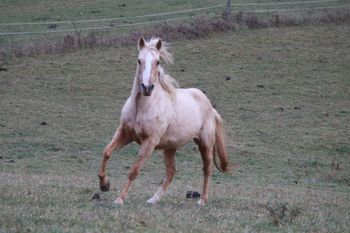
pixel 228 10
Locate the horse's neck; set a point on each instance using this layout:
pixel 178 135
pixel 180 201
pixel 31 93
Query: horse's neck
pixel 147 102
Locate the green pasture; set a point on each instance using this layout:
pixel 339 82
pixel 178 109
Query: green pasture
pixel 284 94
pixel 49 20
pixel 38 11
pixel 18 11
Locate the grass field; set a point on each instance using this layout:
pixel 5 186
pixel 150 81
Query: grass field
pixel 37 11
pixel 285 98
pixel 49 20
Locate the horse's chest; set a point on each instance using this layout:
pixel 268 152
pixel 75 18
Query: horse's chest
pixel 142 128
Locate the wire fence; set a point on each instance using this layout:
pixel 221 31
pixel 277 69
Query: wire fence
pixel 169 13
pixel 15 28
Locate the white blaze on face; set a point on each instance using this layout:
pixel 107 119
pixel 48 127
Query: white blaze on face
pixel 146 74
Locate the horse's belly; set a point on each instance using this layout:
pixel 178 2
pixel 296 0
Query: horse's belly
pixel 177 137
pixel 168 143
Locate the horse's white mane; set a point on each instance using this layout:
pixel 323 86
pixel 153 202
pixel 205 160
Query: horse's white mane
pixel 169 83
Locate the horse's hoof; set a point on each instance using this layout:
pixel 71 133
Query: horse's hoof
pixel 105 188
pixel 119 201
pixel 152 201
pixel 201 202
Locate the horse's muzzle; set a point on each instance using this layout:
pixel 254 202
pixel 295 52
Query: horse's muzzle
pixel 147 90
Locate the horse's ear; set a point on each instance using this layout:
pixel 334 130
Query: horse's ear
pixel 141 43
pixel 159 44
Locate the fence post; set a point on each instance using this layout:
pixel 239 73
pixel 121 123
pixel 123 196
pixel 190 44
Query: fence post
pixel 228 10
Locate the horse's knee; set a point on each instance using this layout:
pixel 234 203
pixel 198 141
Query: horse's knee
pixel 106 153
pixel 133 174
pixel 171 174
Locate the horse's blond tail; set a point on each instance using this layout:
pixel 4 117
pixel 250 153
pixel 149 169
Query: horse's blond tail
pixel 219 149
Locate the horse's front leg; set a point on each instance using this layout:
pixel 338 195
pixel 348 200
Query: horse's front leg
pixel 120 139
pixel 169 160
pixel 144 154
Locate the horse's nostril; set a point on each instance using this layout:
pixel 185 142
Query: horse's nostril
pixel 147 88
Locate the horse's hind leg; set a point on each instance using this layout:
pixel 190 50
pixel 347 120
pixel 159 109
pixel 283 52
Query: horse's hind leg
pixel 169 160
pixel 205 144
pixel 207 157
pixel 120 139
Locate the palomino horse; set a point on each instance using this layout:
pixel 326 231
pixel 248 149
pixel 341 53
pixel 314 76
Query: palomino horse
pixel 158 115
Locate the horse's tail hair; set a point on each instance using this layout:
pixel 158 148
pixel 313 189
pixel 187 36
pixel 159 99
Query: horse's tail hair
pixel 219 149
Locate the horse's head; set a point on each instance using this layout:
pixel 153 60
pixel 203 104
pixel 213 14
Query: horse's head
pixel 148 64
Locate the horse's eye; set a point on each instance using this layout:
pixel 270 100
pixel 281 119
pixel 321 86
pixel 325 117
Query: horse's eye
pixel 139 61
pixel 157 63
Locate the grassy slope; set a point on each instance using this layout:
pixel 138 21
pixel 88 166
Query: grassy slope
pixel 286 109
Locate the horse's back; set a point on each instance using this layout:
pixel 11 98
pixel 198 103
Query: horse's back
pixel 194 99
